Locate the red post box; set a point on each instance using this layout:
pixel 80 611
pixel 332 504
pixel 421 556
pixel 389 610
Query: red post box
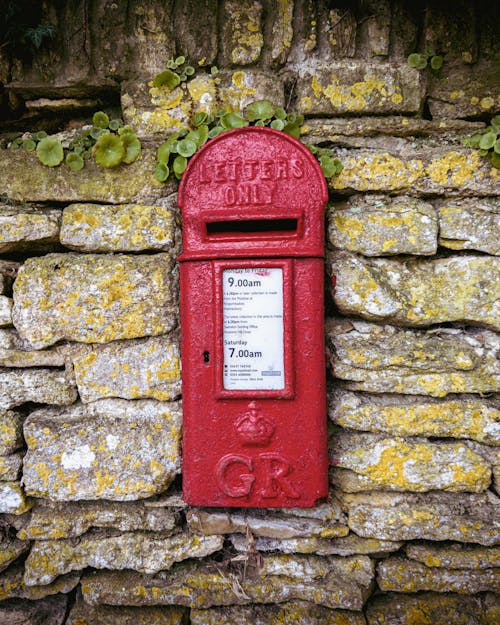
pixel 253 369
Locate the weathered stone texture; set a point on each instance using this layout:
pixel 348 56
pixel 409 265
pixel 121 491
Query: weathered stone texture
pixel 356 87
pixel 94 298
pixel 349 545
pixel 48 611
pixel 145 368
pixel 410 464
pixel 429 608
pixel 5 311
pixel 282 32
pixel 51 521
pixel 463 517
pixel 196 30
pixel 291 613
pixel 426 172
pixel 11 432
pixel 242 37
pixel 24 178
pixel 144 552
pixel 401 575
pixel 387 359
pixel 332 582
pixel 12 585
pixel 325 521
pixel 10 550
pixel 44 386
pixel 10 467
pixel 455 556
pixel 466 417
pixel 109 449
pixel 418 292
pixel 382 226
pixel 121 228
pixel 470 225
pixel 12 499
pixel 26 229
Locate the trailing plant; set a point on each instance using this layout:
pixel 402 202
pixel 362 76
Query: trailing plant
pixel 108 141
pixel 173 154
pixel 429 58
pixel 487 142
pixel 22 28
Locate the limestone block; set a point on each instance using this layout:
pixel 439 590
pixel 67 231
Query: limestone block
pixel 11 432
pixel 5 311
pixel 51 521
pixel 463 517
pixel 12 585
pixel 156 110
pixel 141 551
pixel 455 556
pixel 10 550
pixel 470 225
pixel 325 521
pixel 349 545
pixel 143 368
pixel 282 34
pixel 462 417
pixel 12 499
pixel 44 386
pixel 49 611
pixel 386 359
pixel 429 608
pixel 84 614
pixel 381 226
pixel 109 449
pixel 24 178
pixel 290 613
pixel 496 479
pixel 332 582
pixel 242 36
pixel 16 352
pixel 402 575
pixel 375 27
pixel 429 171
pixel 120 228
pixel 468 91
pixel 196 30
pixel 94 298
pixel 27 229
pixel 412 464
pixel 418 292
pixel 10 467
pixel 359 87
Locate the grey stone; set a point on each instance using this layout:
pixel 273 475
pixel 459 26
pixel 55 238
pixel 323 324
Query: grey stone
pixel 455 556
pixel 470 224
pixel 196 30
pixel 94 298
pixel 387 359
pixel 28 229
pixel 382 226
pixel 10 467
pixel 144 552
pixel 48 611
pixel 462 517
pixel 12 499
pixel 109 449
pixel 121 228
pixel 44 386
pixel 11 432
pixel 12 585
pixel 51 521
pixel 242 36
pixel 334 582
pixel 432 608
pixel 5 311
pixel 418 292
pixel 464 416
pixel 411 464
pixel 143 368
pixel 402 575
pixel 10 550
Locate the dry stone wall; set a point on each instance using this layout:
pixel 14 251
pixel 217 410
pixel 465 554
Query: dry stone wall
pixel 93 526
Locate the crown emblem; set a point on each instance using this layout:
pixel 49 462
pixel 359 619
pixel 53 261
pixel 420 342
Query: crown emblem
pixel 253 428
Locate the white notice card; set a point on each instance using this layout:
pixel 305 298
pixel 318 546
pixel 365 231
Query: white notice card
pixel 253 329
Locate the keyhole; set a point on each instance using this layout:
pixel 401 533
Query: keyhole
pixel 206 357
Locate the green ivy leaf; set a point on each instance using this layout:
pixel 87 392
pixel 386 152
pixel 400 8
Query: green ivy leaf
pixel 233 120
pixel 495 122
pixel 29 145
pixel 278 124
pixel 495 160
pixel 496 147
pixel 163 152
pixel 216 130
pixel 186 147
pixel 132 147
pixel 179 165
pixel 436 62
pixel 292 130
pixel 74 161
pixel 417 61
pixel 199 136
pixel 487 140
pixel 50 151
pixel 100 120
pixel 109 150
pixel 200 118
pixel 162 172
pixel 114 124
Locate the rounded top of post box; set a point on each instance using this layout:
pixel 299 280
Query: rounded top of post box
pixel 256 186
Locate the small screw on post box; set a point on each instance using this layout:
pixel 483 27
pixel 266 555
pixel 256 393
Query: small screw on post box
pixel 251 271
